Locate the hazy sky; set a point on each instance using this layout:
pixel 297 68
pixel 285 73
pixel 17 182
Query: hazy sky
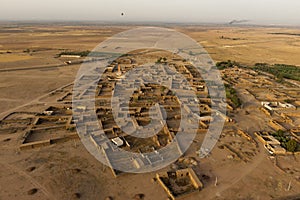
pixel 257 11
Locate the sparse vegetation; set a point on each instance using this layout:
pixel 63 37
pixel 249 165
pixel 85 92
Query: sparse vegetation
pixel 75 53
pixel 289 34
pixel 26 51
pixel 162 60
pixel 229 38
pixel 288 101
pixel 227 64
pixel 232 96
pixel 71 129
pixel 86 53
pixel 291 145
pixel 286 142
pixel 280 71
pixel 32 191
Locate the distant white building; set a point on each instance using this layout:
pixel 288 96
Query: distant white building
pixel 118 141
pixel 277 105
pixel 70 56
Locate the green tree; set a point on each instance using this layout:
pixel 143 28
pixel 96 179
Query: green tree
pixel 291 145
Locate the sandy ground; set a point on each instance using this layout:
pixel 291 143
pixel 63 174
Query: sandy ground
pixel 68 171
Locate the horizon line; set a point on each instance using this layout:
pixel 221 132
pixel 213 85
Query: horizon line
pixel 120 22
